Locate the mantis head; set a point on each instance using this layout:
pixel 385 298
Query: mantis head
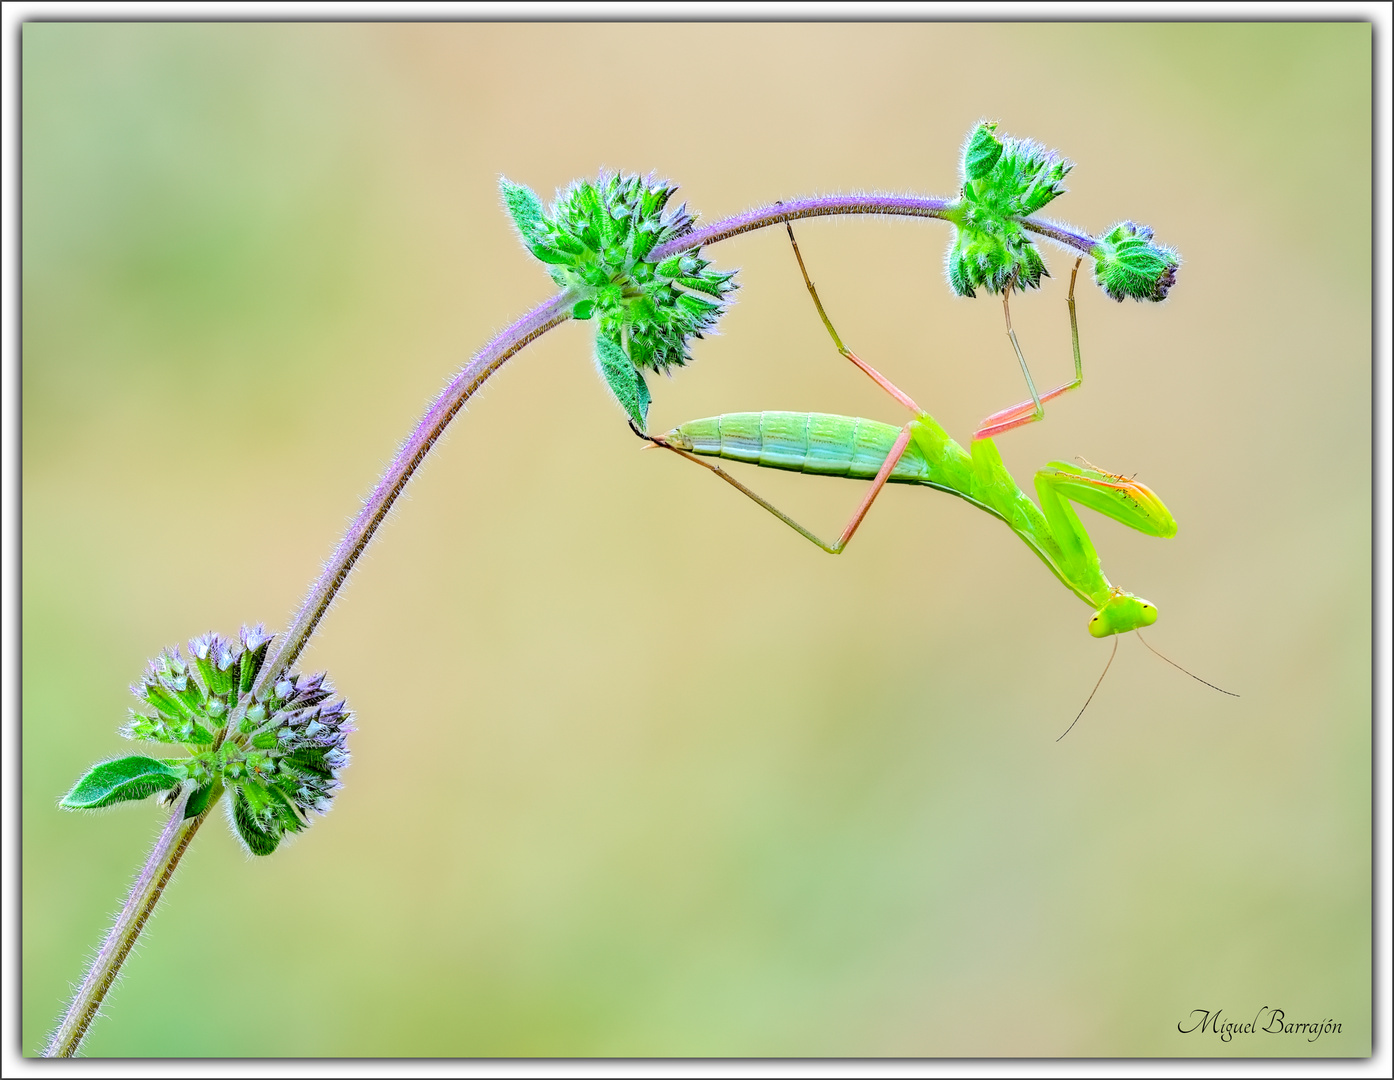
pixel 1122 613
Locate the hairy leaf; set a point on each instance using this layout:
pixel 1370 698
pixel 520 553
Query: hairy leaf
pixel 121 780
pixel 623 378
pixel 523 206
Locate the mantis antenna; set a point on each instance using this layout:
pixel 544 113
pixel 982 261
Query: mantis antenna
pixel 1111 655
pixel 1091 692
pixel 1178 667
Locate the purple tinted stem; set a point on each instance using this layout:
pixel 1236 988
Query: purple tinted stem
pixel 794 209
pixel 144 895
pixel 286 648
pixel 1060 234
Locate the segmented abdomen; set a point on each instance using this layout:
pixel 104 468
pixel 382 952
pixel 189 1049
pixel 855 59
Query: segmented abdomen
pixel 816 443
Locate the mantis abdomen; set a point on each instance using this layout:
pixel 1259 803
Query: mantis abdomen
pixel 817 443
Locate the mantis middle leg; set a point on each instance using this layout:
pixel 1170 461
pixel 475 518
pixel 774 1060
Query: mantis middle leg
pixel 1029 411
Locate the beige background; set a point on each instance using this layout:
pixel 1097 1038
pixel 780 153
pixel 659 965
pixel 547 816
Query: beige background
pixel 638 770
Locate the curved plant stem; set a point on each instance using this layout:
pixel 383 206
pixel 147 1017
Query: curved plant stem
pixel 285 649
pixel 145 894
pixel 794 209
pixel 826 205
pixel 1060 234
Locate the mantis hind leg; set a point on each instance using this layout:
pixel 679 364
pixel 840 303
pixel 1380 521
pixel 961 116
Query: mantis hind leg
pixel 1028 411
pixel 882 475
pixel 876 377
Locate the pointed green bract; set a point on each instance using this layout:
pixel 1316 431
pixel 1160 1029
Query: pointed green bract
pixel 1128 263
pixel 523 207
pixel 623 379
pixel 982 152
pixel 121 780
pixel 247 823
pixel 203 798
pixel 595 241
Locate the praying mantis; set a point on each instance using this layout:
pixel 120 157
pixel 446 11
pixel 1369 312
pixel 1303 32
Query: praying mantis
pixel 922 452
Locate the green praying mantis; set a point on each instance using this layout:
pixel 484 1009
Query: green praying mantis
pixel 922 452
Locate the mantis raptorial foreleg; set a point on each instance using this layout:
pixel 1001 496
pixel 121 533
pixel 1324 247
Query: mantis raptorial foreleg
pixel 1028 411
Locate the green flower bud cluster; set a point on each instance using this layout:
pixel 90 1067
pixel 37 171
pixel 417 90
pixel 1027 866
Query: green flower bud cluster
pixel 1127 263
pixel 1007 180
pixel 276 754
pixel 595 242
pixel 1003 181
pixel 187 710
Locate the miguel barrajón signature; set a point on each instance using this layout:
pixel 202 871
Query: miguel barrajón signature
pixel 1276 1023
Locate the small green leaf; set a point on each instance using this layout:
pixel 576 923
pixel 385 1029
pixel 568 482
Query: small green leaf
pixel 283 809
pixel 225 677
pixel 583 310
pixel 203 798
pixel 550 255
pixel 169 704
pixel 195 734
pixel 251 664
pixel 982 152
pixel 623 378
pixel 249 829
pixel 121 780
pixel 523 206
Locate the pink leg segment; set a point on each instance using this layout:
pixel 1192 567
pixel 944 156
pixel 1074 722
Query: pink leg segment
pixel 1017 415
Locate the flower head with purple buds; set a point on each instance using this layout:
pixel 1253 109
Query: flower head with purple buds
pixel 276 753
pixel 595 241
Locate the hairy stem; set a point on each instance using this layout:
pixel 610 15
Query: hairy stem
pixel 824 206
pixel 287 647
pixel 794 209
pixel 1060 234
pixel 145 894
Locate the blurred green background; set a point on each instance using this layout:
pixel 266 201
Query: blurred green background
pixel 638 771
